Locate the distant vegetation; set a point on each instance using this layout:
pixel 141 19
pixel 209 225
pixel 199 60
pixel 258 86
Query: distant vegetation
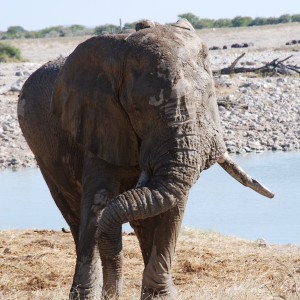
pixel 17 32
pixel 238 21
pixel 9 53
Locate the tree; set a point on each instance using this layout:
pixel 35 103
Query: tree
pixel 259 21
pixel 76 27
pixel 15 32
pixel 241 21
pixel 107 28
pixel 285 19
pixel 54 31
pixel 129 26
pixel 222 23
pixel 193 19
pixel 204 23
pixel 295 18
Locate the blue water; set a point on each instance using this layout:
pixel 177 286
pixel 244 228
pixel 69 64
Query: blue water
pixel 217 202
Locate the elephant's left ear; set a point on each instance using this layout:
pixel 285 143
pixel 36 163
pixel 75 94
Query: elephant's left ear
pixel 85 100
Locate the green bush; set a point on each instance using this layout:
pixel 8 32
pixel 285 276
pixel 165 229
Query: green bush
pixel 296 18
pixel 222 23
pixel 15 32
pixel 129 26
pixel 241 21
pixel 106 29
pixel 9 53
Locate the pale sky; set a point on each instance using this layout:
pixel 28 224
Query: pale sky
pixel 38 14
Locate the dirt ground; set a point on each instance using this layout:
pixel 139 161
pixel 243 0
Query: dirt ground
pixel 39 265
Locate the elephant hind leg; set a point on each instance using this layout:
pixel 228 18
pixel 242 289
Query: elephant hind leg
pixel 72 218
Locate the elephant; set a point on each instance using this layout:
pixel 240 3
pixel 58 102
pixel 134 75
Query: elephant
pixel 121 129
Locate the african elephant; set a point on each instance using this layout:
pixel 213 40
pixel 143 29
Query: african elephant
pixel 121 130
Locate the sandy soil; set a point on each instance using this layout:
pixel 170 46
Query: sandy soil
pixel 39 265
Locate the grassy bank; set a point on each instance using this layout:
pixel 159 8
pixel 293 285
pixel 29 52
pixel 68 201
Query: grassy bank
pixel 39 265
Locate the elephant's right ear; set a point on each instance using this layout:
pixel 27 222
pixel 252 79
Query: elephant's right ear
pixel 86 102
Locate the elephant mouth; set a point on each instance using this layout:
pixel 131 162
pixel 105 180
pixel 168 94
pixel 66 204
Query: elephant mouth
pixel 143 179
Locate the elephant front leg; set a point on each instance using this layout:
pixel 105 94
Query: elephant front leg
pixel 157 237
pixel 87 281
pixel 112 261
pixel 92 277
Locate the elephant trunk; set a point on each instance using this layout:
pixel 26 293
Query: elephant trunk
pixel 172 175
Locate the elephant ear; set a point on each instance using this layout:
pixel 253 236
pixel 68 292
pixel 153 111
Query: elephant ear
pixel 85 98
pixel 185 24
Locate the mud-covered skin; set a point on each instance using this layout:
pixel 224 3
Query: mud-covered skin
pixel 122 105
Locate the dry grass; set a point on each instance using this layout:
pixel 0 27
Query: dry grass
pixel 39 265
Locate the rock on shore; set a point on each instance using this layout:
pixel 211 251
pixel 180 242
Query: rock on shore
pixel 260 114
pixel 14 151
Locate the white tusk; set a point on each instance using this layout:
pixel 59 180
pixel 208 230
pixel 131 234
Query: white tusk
pixel 240 175
pixel 144 177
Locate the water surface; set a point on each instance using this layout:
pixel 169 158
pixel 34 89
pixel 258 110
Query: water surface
pixel 217 202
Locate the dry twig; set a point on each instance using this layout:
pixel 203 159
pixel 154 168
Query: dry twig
pixel 276 66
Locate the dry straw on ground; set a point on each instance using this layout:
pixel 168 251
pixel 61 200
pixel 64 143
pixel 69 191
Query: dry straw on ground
pixel 39 265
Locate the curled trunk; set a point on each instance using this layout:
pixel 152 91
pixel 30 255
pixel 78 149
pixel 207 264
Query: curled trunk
pixel 162 187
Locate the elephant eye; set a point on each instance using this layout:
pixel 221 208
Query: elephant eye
pixel 137 109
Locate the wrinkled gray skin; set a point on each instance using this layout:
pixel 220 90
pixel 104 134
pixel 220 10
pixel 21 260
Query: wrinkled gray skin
pixel 117 107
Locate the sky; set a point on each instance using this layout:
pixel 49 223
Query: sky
pixel 39 14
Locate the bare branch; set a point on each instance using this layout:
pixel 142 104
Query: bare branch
pixel 276 66
pixel 232 66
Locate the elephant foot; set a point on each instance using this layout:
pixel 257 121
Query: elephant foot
pixel 157 280
pixel 112 277
pixel 81 293
pixel 150 294
pixel 87 281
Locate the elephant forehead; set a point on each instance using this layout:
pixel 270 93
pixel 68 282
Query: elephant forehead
pixel 173 73
pixel 166 41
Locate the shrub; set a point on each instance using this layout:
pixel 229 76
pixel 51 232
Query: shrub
pixel 129 26
pixel 296 18
pixel 106 29
pixel 9 53
pixel 241 21
pixel 285 19
pixel 222 23
pixel 15 32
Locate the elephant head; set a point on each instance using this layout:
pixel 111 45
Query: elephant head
pixel 145 100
